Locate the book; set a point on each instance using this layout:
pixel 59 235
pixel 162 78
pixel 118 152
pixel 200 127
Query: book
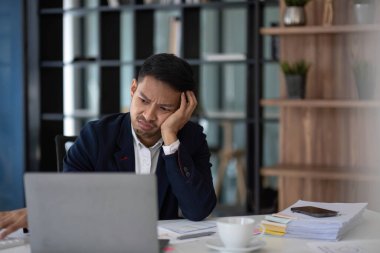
pixel 175 36
pixel 274 228
pixel 270 223
pixel 225 57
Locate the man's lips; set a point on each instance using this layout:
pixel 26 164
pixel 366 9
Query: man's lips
pixel 144 125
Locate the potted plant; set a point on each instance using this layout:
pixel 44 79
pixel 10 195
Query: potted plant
pixel 363 11
pixel 295 76
pixel 295 12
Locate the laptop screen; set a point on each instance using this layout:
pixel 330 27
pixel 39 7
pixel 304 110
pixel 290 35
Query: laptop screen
pixel 92 212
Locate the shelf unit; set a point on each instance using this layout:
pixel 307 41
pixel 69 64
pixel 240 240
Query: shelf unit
pixel 327 141
pixel 47 64
pixel 321 173
pixel 321 103
pixel 336 29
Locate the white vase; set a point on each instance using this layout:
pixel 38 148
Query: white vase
pixel 294 16
pixel 363 13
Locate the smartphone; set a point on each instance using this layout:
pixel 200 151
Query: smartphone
pixel 314 211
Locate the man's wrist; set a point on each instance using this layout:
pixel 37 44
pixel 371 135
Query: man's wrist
pixel 172 148
pixel 169 138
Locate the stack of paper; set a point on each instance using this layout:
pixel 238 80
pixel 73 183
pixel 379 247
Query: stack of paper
pixel 329 228
pixel 175 229
pixel 275 224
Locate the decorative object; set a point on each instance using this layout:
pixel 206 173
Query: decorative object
pixel 295 12
pixel 328 13
pixel 117 3
pixel 295 76
pixel 363 11
pixel 275 44
pixel 364 74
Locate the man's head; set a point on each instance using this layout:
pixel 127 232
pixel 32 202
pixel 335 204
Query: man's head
pixel 156 94
pixel 170 69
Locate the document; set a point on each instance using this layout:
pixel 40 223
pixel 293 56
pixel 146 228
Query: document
pixel 186 226
pixel 180 231
pixel 358 246
pixel 329 228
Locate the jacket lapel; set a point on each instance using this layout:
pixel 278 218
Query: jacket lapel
pixel 125 153
pixel 162 180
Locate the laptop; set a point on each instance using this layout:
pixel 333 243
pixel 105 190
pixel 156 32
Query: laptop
pixel 92 212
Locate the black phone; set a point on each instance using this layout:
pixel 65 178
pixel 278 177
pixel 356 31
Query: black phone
pixel 314 211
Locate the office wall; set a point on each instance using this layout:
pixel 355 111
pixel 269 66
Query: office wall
pixel 12 153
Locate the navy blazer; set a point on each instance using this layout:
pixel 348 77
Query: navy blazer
pixel 183 179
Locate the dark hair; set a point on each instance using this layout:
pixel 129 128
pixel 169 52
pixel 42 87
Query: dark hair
pixel 170 69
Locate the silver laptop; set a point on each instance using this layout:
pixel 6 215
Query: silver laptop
pixel 92 212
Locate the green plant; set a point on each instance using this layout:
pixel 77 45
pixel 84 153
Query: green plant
pixel 300 3
pixel 298 68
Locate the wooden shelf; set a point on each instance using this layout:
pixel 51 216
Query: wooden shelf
pixel 320 29
pixel 134 7
pixel 321 103
pixel 117 63
pixel 315 172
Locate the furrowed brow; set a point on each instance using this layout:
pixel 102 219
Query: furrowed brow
pixel 162 105
pixel 144 96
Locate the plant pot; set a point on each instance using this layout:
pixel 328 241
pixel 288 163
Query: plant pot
pixel 296 86
pixel 294 16
pixel 363 13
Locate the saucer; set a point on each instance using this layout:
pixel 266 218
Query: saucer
pixel 217 244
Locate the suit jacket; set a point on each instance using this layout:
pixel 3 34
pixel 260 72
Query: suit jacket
pixel 183 179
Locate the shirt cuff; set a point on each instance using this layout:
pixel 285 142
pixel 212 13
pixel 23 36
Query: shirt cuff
pixel 172 148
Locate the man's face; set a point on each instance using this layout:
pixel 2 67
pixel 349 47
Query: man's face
pixel 153 101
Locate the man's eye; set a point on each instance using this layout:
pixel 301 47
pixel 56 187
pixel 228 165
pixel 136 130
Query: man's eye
pixel 165 109
pixel 144 101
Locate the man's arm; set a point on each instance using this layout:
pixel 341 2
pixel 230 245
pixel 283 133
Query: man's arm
pixel 81 156
pixel 12 221
pixel 176 121
pixel 189 174
pixel 190 177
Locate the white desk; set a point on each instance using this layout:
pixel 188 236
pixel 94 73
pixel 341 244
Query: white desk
pixel 368 229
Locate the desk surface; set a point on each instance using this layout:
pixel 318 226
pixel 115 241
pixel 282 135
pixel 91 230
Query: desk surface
pixel 368 229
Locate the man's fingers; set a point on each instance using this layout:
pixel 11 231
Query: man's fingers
pixel 8 230
pixel 12 221
pixel 192 103
pixel 5 219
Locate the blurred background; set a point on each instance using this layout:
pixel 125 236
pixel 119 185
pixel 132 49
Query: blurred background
pixel 66 62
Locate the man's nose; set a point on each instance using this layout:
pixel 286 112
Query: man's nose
pixel 150 113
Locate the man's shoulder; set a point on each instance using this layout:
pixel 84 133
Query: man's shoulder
pixel 191 128
pixel 108 126
pixel 110 121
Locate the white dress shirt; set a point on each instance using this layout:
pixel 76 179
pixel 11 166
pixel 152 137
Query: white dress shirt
pixel 146 158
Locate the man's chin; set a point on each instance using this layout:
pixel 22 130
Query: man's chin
pixel 146 134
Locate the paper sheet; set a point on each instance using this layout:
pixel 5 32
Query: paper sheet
pixel 358 246
pixel 186 226
pixel 172 229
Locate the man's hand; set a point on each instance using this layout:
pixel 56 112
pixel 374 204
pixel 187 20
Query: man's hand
pixel 179 118
pixel 12 221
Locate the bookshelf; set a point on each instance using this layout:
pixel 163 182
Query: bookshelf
pixel 327 140
pixel 114 58
pixel 321 103
pixel 321 173
pixel 336 29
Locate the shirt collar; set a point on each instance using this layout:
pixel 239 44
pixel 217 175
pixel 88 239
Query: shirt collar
pixel 141 145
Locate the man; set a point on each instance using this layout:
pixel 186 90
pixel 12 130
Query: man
pixel 155 137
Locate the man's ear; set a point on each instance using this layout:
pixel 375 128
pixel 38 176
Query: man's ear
pixel 133 87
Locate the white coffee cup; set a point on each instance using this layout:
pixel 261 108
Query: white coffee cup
pixel 236 232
